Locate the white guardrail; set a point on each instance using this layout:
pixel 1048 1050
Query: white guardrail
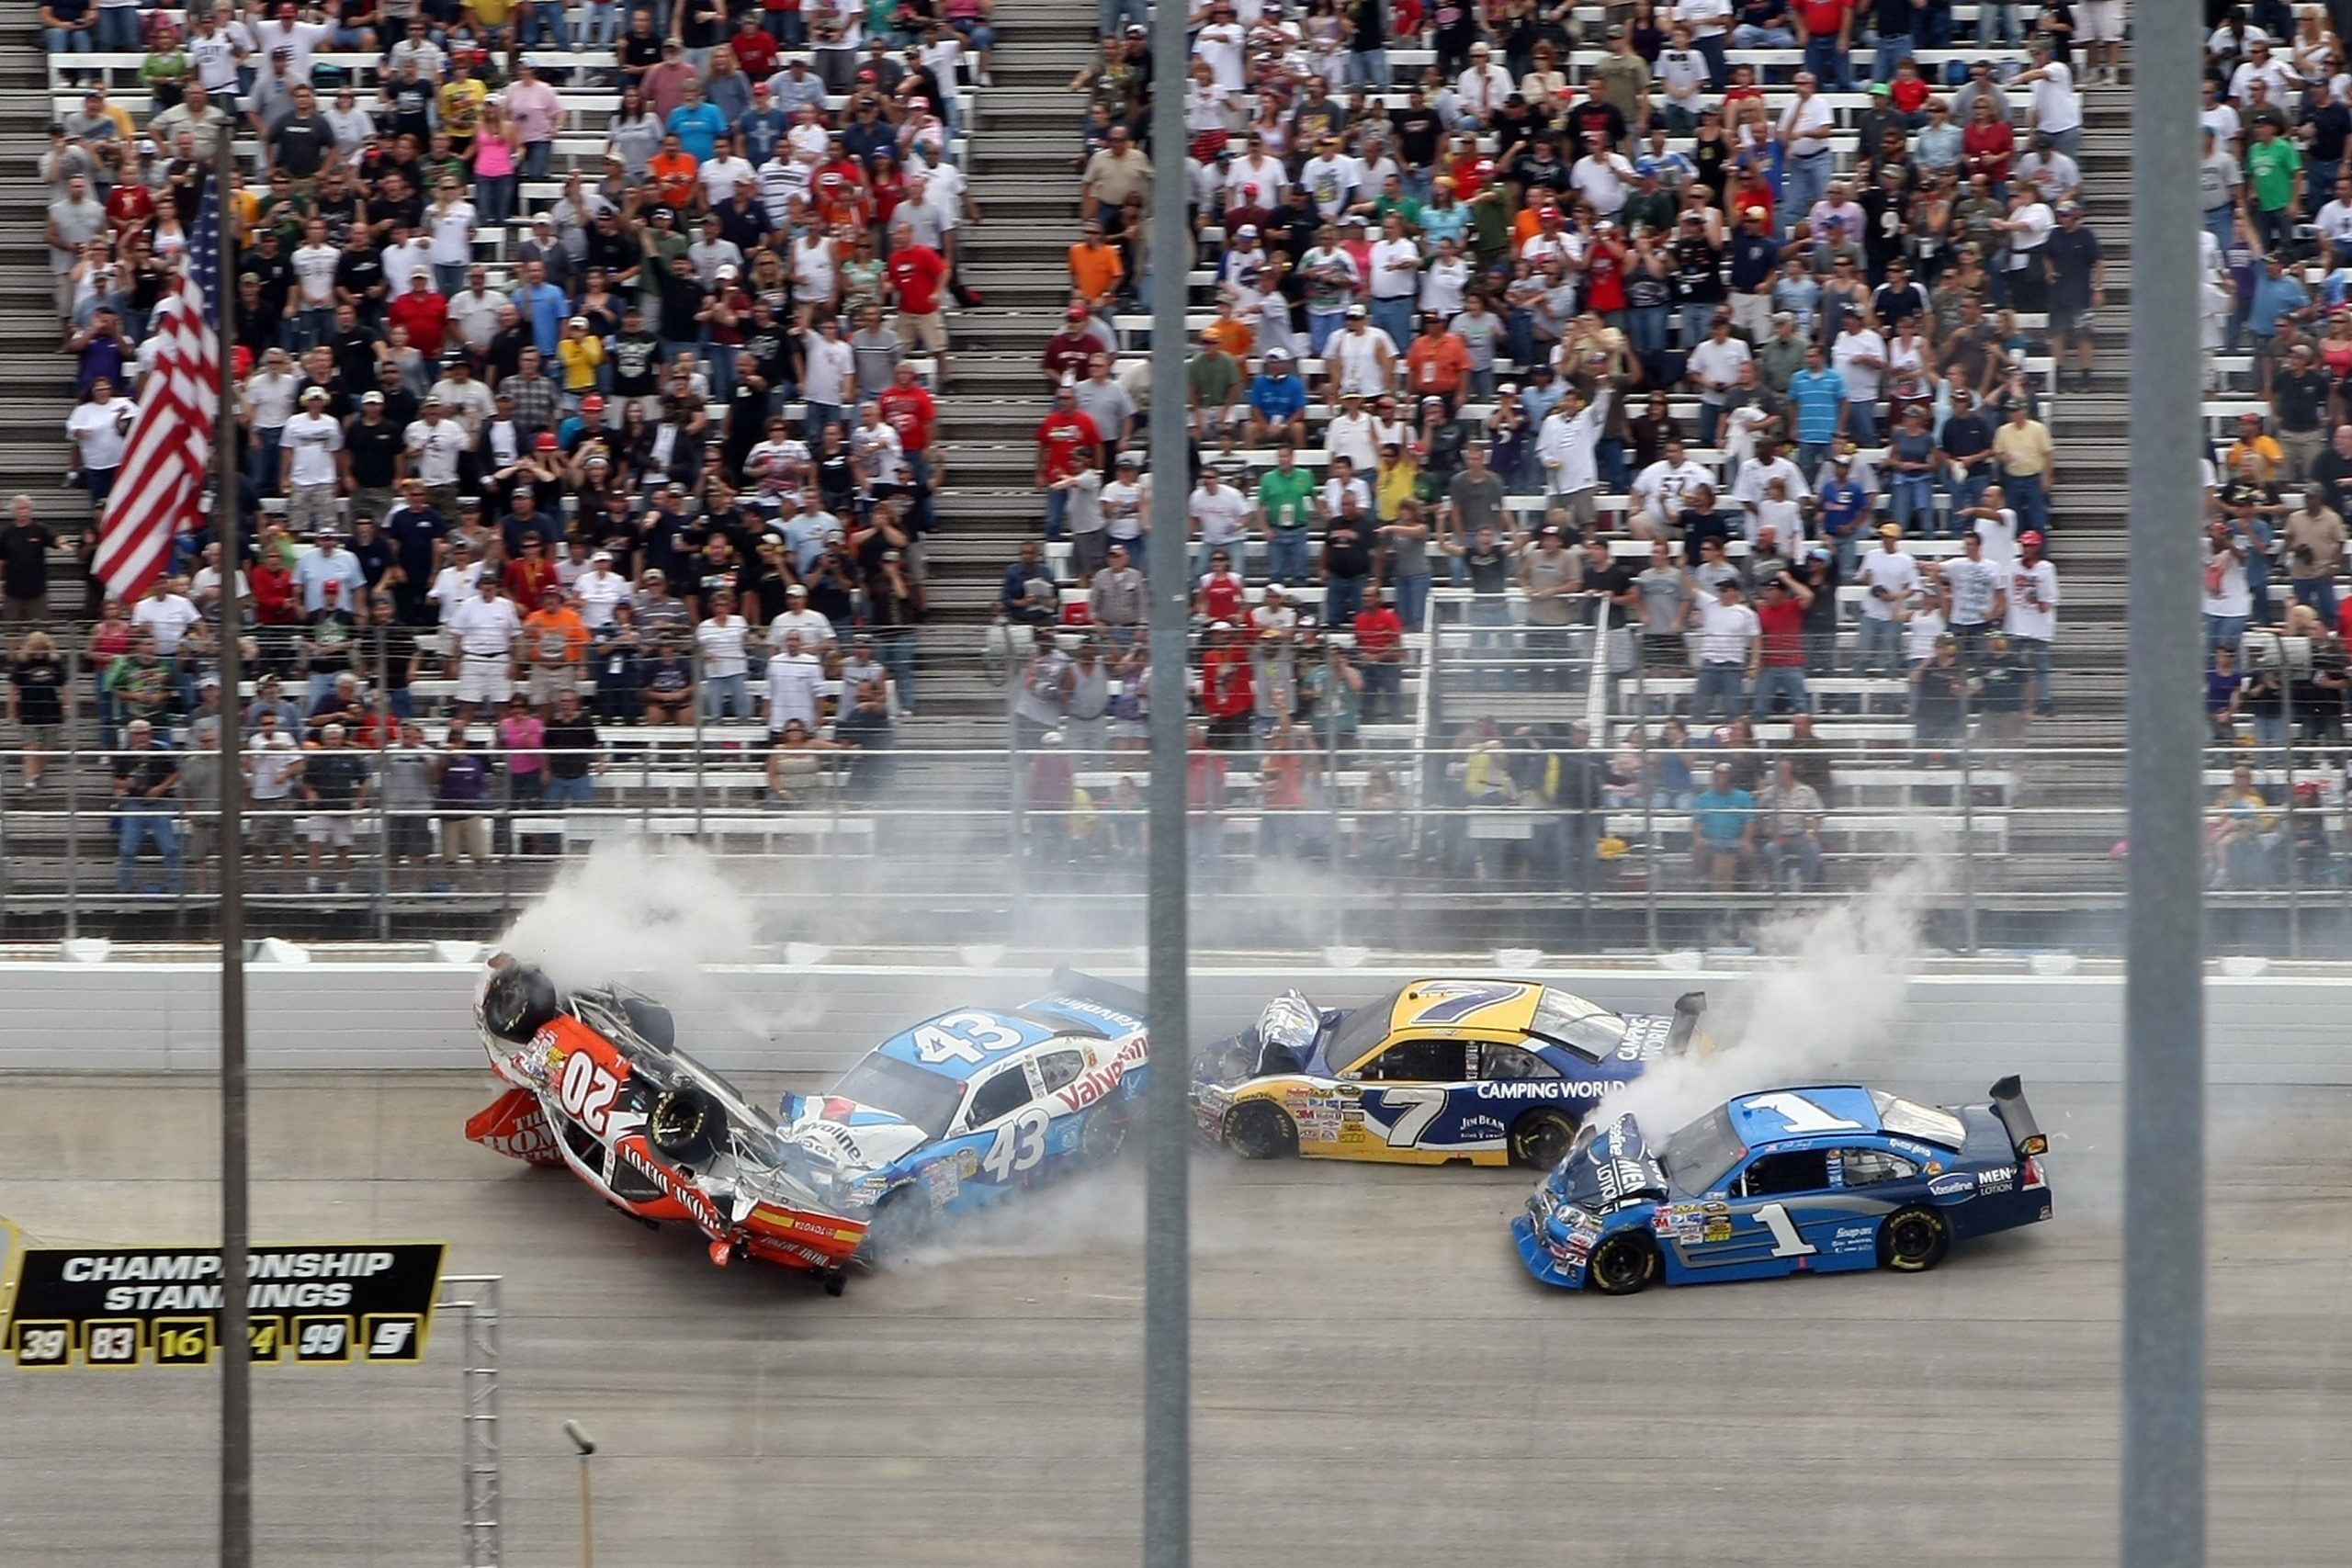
pixel 133 1016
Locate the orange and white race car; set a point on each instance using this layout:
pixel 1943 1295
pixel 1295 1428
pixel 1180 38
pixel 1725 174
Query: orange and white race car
pixel 599 1085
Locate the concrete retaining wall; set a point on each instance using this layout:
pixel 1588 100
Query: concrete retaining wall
pixel 143 1016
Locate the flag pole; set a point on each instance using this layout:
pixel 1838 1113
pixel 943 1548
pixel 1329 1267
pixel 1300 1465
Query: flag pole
pixel 236 1368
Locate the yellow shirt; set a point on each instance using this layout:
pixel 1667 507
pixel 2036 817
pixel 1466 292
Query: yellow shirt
pixel 1394 487
pixel 2024 449
pixel 491 13
pixel 581 357
pixel 462 106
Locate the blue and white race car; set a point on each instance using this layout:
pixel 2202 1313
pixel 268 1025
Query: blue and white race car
pixel 1822 1180
pixel 962 1109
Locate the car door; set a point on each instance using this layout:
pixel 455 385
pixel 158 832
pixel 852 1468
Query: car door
pixel 1406 1092
pixel 1764 1226
pixel 1056 1070
pixel 1003 1107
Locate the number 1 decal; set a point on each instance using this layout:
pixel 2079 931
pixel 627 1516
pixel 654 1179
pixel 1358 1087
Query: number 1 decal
pixel 1803 1115
pixel 1786 1242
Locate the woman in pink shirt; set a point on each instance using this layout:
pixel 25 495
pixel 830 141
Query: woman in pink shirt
pixel 493 160
pixel 523 739
pixel 539 116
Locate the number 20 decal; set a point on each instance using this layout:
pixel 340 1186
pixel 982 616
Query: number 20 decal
pixel 587 1091
pixel 963 1037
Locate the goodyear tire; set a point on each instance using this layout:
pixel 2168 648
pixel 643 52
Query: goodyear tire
pixel 1913 1240
pixel 1103 1136
pixel 685 1126
pixel 1540 1138
pixel 1622 1264
pixel 518 1002
pixel 902 1220
pixel 1258 1130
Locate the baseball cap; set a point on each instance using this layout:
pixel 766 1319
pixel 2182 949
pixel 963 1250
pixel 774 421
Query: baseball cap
pixel 1354 312
pixel 2030 536
pixel 1646 164
pixel 1246 231
pixel 375 398
pixel 795 592
pixel 546 441
pixel 593 401
pixel 1076 313
pixel 1890 530
pixel 727 269
pixel 1278 353
pixel 1880 89
pixel 1753 212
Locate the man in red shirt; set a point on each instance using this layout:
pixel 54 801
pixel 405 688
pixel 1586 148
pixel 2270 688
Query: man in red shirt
pixel 425 315
pixel 1380 644
pixel 1067 442
pixel 1826 30
pixel 1228 694
pixel 1067 352
pixel 909 410
pixel 755 50
pixel 1780 615
pixel 916 274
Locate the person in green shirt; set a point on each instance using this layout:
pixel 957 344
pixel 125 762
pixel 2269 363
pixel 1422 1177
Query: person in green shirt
pixel 165 68
pixel 1392 198
pixel 1213 380
pixel 1285 510
pixel 2274 178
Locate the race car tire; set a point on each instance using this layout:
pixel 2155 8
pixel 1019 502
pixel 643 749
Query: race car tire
pixel 1103 1136
pixel 902 1222
pixel 1624 1264
pixel 1540 1138
pixel 518 1002
pixel 1260 1131
pixel 685 1126
pixel 1913 1240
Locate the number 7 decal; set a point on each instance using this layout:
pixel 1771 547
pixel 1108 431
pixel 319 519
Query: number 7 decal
pixel 1415 1109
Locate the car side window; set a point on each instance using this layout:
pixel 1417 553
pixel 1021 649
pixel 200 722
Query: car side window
pixel 1059 1070
pixel 1500 1064
pixel 1799 1170
pixel 1420 1061
pixel 1868 1167
pixel 1000 1096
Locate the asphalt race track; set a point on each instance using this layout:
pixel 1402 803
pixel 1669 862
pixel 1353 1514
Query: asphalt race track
pixel 1377 1382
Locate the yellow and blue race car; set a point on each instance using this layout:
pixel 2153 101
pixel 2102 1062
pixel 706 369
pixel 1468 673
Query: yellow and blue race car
pixel 1487 1071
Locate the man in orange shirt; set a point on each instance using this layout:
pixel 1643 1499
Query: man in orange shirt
pixel 672 169
pixel 1095 269
pixel 555 643
pixel 1438 362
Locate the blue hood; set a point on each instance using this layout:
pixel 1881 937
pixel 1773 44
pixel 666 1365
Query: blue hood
pixel 1610 1168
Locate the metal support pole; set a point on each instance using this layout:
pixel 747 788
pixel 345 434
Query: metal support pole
pixel 702 703
pixel 387 736
pixel 1332 793
pixel 73 804
pixel 1650 802
pixel 2287 736
pixel 1967 824
pixel 480 1487
pixel 1167 1313
pixel 2164 1119
pixel 236 1370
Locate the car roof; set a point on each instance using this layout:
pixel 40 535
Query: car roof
pixel 1781 1115
pixel 963 1043
pixel 1466 1006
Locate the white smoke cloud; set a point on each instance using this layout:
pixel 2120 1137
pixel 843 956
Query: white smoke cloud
pixel 1835 989
pixel 637 912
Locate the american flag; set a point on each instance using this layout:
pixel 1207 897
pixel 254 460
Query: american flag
pixel 159 492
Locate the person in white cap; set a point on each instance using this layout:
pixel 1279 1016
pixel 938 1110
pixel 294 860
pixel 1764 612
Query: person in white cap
pixel 310 465
pixel 598 590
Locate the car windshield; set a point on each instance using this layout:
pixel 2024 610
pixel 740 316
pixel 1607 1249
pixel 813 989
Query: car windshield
pixel 924 1099
pixel 1565 1018
pixel 1360 1032
pixel 1697 1157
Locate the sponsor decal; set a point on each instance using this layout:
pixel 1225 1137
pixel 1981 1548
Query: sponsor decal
pixel 967 1164
pixel 1541 1088
pixel 940 1177
pixel 1645 1037
pixel 1717 1230
pixel 1078 1007
pixel 1856 1233
pixel 1990 1181
pixel 1473 1127
pixel 689 1198
pixel 1959 1184
pixel 1094 1084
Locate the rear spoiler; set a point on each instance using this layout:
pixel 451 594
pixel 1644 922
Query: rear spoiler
pixel 2017 1118
pixel 1689 1008
pixel 1087 988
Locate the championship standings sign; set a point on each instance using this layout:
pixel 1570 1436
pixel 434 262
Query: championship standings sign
pixel 325 1305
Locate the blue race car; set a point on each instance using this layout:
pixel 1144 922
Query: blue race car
pixel 962 1109
pixel 1819 1180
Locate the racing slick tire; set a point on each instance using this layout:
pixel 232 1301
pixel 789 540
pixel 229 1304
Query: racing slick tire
pixel 1103 1136
pixel 901 1220
pixel 1624 1264
pixel 518 1002
pixel 685 1126
pixel 1258 1130
pixel 1913 1240
pixel 1540 1138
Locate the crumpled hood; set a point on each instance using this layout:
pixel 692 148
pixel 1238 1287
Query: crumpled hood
pixel 846 1133
pixel 1609 1168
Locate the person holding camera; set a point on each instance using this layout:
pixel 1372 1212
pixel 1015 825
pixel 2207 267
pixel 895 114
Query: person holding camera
pixel 2315 552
